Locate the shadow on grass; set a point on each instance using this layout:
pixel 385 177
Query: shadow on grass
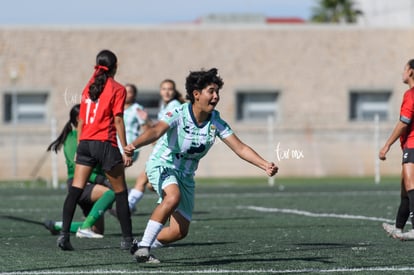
pixel 261 257
pixel 20 219
pixel 227 219
pixel 29 221
pixel 324 260
pixel 245 258
pixel 198 244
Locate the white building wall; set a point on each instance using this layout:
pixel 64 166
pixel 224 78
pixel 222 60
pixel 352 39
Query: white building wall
pixel 386 12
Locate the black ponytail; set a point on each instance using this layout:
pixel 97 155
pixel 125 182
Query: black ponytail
pixel 73 120
pixel 106 64
pixel 96 88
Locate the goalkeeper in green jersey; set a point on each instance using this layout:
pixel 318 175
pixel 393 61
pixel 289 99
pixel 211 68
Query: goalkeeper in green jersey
pixel 96 197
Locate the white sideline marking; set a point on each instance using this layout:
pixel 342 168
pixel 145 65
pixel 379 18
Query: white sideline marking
pixel 310 214
pixel 216 271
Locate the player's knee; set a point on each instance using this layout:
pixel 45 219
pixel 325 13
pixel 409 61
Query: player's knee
pixel 172 200
pixel 171 204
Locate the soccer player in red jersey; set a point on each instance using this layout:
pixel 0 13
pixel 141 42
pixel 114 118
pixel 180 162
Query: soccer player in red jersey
pixel 100 120
pixel 404 131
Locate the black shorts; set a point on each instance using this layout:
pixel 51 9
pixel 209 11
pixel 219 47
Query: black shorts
pixel 85 202
pixel 408 155
pixel 93 152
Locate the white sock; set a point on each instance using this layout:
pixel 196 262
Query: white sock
pixel 156 244
pixel 134 197
pixel 150 233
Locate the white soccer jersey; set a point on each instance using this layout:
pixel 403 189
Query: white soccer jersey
pixel 168 107
pixel 185 143
pixel 132 123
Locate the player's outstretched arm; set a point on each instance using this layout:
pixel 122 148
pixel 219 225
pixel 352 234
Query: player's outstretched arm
pixel 149 136
pixel 248 154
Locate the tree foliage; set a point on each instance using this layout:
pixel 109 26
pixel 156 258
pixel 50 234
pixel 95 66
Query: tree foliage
pixel 335 11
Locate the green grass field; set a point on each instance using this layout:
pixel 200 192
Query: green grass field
pixel 240 226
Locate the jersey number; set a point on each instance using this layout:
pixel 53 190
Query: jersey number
pixel 91 114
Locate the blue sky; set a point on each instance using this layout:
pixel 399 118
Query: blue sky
pixel 141 11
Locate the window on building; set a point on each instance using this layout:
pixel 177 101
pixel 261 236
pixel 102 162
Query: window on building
pixel 150 100
pixel 364 106
pixel 25 107
pixel 257 105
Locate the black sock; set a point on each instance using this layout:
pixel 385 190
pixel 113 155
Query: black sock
pixel 411 202
pixel 123 213
pixel 69 208
pixel 403 212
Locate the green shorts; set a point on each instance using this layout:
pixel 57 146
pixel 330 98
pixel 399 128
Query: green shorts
pixel 161 176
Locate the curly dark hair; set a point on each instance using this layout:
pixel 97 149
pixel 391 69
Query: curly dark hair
pixel 198 80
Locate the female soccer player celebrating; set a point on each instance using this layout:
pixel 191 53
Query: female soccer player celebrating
pixel 187 133
pixel 171 98
pixel 100 120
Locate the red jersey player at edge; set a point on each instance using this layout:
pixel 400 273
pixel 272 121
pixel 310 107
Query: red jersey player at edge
pixel 404 131
pixel 100 120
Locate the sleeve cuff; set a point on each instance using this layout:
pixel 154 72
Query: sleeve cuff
pixel 405 120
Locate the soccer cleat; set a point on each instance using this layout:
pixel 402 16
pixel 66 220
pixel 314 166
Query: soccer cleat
pixel 50 225
pixel 134 246
pixel 142 254
pixel 392 231
pixel 126 243
pixel 88 233
pixel 152 260
pixel 63 242
pixel 407 236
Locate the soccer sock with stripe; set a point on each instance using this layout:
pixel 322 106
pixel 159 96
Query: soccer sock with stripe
pixel 123 213
pixel 69 208
pixel 99 208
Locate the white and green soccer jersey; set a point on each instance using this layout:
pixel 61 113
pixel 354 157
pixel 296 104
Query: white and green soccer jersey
pixel 168 107
pixel 133 125
pixel 185 142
